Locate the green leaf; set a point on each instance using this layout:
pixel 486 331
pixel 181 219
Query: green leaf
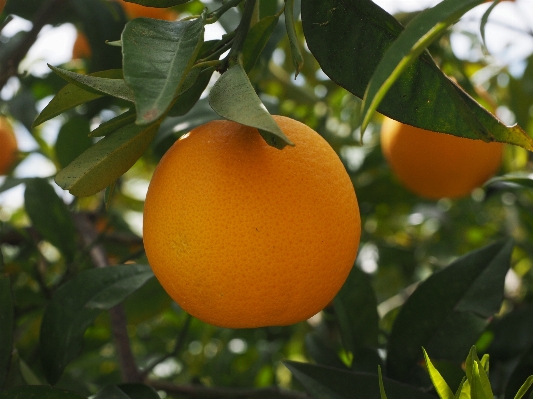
pixel 463 392
pixel 6 326
pixel 107 160
pixel 256 40
pixel 338 32
pixel 72 95
pixel 423 30
pixel 522 372
pixel 483 23
pixel 296 54
pixel 97 85
pixel 464 296
pixel 158 3
pixel 234 98
pixel 382 393
pixel 50 216
pixel 116 123
pixel 524 388
pixel 321 353
pixel 484 381
pixel 39 392
pixel 27 373
pixel 172 47
pixel 10 182
pixel 480 385
pixel 139 391
pixel 111 392
pixel 72 139
pixel 67 316
pixel 522 179
pixel 356 309
pixel 188 99
pixel 440 385
pixel 328 383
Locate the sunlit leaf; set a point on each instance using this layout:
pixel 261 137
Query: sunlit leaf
pixel 157 58
pixel 338 34
pixel 524 388
pixel 68 315
pixel 97 85
pixel 440 385
pixel 234 98
pixel 107 160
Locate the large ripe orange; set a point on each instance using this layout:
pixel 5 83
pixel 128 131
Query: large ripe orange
pixel 436 165
pixel 134 10
pixel 241 234
pixel 8 146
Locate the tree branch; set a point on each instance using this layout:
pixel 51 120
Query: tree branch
pixel 128 367
pixel 44 16
pixel 198 391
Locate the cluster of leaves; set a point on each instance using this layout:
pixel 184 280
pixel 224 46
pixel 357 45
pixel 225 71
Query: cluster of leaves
pixel 69 320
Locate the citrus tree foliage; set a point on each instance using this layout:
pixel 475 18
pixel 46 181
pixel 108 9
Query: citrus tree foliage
pixel 81 314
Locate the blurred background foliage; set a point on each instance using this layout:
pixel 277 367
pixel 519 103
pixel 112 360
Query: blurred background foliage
pixel 404 237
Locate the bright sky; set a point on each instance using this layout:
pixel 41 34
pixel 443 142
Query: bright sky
pixel 508 39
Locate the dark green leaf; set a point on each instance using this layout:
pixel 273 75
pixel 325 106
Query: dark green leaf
pixel 107 160
pixel 39 392
pixel 72 95
pixel 484 20
pixel 256 40
pixel 72 139
pixel 67 316
pixel 423 30
pixel 10 182
pixel 463 297
pixel 321 352
pixel 338 34
pixel 97 85
pixel 111 392
pixel 329 383
pixel 522 179
pixel 297 58
pixel 267 8
pixel 6 326
pixel 234 98
pixel 522 371
pixel 139 391
pixel 27 373
pixel 158 3
pixel 356 310
pixel 50 216
pixel 116 123
pixel 173 47
pixel 188 99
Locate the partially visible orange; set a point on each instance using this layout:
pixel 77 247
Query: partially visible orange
pixel 134 10
pixel 81 48
pixel 243 235
pixel 436 165
pixel 8 146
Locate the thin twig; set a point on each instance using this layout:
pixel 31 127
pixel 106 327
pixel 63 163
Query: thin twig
pixel 45 15
pixel 179 344
pixel 128 367
pixel 198 391
pixel 240 37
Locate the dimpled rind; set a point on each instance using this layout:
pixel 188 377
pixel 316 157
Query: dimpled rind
pixel 243 235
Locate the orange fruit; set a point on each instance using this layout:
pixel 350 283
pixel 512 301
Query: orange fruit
pixel 134 10
pixel 436 165
pixel 8 146
pixel 243 235
pixel 81 48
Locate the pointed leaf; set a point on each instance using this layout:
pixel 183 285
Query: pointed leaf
pixel 382 393
pixel 67 316
pixel 464 296
pixel 484 20
pixel 521 179
pixel 321 353
pixel 328 383
pixel 6 326
pixel 50 216
pixel 39 392
pixel 107 160
pixel 27 373
pixel 524 388
pixel 463 392
pixel 356 310
pixel 72 139
pixel 522 372
pixel 234 98
pixel 297 58
pixel 484 381
pixel 157 57
pixel 116 123
pixel 256 40
pixel 189 98
pixel 471 360
pixel 423 30
pixel 71 96
pixel 338 35
pixel 440 385
pixel 97 85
